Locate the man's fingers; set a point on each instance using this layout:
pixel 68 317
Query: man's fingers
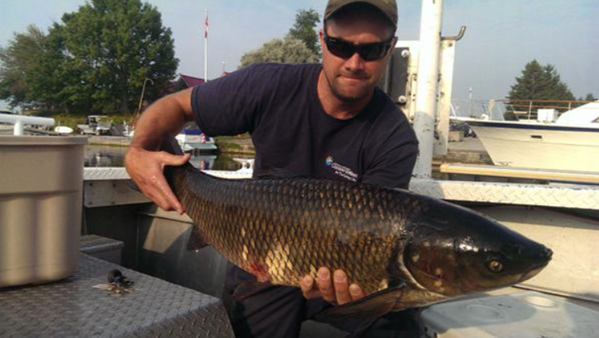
pixel 159 197
pixel 334 289
pixel 174 202
pixel 166 194
pixel 146 170
pixel 325 285
pixel 307 286
pixel 341 287
pixel 356 292
pixel 175 160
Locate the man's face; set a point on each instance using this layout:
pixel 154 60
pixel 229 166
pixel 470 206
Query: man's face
pixel 352 79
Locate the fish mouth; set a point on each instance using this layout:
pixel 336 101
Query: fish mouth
pixel 546 255
pixel 531 273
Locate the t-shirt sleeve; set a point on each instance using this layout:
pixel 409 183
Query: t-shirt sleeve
pixel 231 105
pixel 394 161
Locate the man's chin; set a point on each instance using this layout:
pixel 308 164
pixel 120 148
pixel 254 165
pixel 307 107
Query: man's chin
pixel 351 95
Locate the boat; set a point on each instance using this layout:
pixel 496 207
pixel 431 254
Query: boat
pixel 569 142
pixel 203 162
pixel 64 130
pixel 11 123
pixel 192 139
pixel 247 165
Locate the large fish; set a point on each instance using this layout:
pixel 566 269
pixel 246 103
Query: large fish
pixel 404 249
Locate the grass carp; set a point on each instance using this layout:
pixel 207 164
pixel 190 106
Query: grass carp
pixel 403 249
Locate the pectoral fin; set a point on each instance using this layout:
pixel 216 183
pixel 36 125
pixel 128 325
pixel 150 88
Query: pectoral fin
pixel 196 240
pixel 366 309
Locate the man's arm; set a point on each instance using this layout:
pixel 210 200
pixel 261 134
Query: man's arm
pixel 143 160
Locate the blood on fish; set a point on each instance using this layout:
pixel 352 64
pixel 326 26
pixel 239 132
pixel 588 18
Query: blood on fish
pixel 259 271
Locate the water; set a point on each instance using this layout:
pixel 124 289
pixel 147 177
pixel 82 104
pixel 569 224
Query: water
pixel 107 156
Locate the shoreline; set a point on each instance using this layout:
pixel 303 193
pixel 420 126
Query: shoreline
pixel 470 150
pixel 113 141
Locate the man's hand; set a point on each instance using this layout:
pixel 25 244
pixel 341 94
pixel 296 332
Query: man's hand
pixel 335 290
pixel 146 169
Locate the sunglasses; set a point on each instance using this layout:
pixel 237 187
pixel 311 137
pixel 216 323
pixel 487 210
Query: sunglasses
pixel 367 51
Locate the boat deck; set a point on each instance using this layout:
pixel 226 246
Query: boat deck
pixel 74 307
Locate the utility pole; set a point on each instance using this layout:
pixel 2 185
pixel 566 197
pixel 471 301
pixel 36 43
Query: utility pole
pixel 428 84
pixel 141 98
pixel 206 47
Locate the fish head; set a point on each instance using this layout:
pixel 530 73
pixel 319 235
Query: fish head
pixel 455 251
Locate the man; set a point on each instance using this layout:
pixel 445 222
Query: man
pixel 325 121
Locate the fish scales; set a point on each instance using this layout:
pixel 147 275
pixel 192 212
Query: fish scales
pixel 282 230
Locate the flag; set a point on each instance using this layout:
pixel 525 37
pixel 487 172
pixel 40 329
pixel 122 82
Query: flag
pixel 206 26
pixel 206 47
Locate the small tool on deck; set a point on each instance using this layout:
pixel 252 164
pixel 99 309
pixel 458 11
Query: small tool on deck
pixel 117 283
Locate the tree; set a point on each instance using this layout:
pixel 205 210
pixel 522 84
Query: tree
pixel 113 46
pixel 18 59
pixel 97 59
pixel 300 45
pixel 590 97
pixel 53 85
pixel 539 83
pixel 287 50
pixel 304 29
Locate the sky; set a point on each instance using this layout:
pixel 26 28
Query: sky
pixel 501 36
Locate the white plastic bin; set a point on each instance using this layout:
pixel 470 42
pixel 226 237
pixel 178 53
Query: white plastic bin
pixel 41 184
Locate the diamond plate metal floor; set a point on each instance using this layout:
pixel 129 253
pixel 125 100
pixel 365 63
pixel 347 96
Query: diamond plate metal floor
pixel 74 308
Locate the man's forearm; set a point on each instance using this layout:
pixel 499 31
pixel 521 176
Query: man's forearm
pixel 165 117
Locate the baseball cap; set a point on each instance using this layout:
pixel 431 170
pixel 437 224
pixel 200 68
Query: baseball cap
pixel 388 7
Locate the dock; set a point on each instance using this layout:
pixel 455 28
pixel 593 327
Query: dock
pixel 115 141
pixel 468 150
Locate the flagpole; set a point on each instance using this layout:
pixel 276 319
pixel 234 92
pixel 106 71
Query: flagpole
pixel 206 47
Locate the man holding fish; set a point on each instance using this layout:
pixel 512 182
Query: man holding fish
pixel 326 121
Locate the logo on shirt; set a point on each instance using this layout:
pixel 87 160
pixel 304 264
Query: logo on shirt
pixel 340 170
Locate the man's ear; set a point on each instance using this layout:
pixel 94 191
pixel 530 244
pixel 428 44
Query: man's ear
pixel 321 37
pixel 393 43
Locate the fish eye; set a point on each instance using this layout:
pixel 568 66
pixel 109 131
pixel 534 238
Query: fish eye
pixel 495 266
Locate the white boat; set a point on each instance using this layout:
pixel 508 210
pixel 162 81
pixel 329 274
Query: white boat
pixel 64 130
pixel 193 139
pixel 570 143
pixel 247 164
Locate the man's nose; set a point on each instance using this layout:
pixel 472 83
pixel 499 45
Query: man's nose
pixel 355 62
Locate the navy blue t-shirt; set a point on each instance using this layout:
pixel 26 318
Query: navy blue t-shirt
pixel 278 105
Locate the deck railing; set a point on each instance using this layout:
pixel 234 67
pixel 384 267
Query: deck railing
pixel 497 109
